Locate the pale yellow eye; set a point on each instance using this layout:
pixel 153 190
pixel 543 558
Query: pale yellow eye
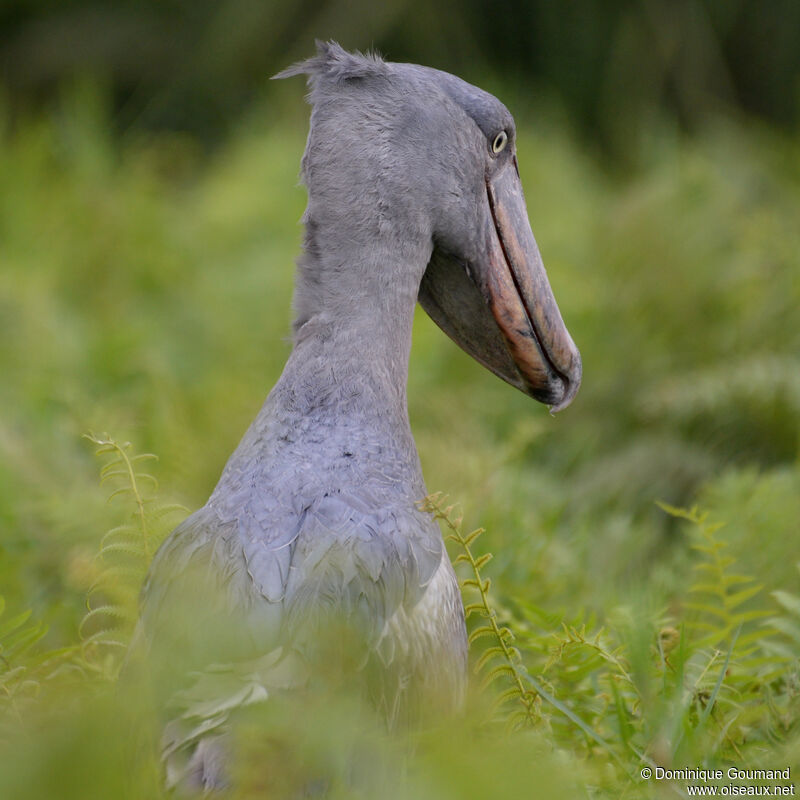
pixel 499 142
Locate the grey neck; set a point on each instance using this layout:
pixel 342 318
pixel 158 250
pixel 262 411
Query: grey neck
pixel 349 364
pixel 343 389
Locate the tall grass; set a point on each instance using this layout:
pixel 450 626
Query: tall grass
pixel 144 289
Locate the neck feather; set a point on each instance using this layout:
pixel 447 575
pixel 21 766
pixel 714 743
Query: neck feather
pixel 342 394
pixel 353 337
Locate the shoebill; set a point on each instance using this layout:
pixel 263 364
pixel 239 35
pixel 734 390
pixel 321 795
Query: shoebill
pixel 413 195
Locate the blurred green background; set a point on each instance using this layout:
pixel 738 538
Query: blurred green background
pixel 149 213
pixel 196 64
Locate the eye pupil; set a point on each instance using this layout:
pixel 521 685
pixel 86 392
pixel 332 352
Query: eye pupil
pixel 499 142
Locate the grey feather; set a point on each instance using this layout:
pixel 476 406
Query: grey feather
pixel 336 64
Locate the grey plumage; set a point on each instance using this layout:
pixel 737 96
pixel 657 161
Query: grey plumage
pixel 315 513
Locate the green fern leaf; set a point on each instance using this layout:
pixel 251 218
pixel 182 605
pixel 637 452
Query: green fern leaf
pixel 483 560
pixel 505 697
pixel 497 672
pixel 789 602
pixel 471 537
pixel 483 630
pixel 133 549
pixel 15 622
pixel 475 608
pixel 489 654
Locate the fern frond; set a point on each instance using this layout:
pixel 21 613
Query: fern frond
pixel 124 553
pixel 483 630
pixel 788 624
pixel 718 598
pixel 489 654
pixel 789 602
pixel 510 666
pixel 15 622
pixel 122 532
pixel 132 549
pixel 498 671
pixel 476 608
pixel 22 669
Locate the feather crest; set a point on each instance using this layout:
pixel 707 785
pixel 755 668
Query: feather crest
pixel 334 63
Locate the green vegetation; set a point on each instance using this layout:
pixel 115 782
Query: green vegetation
pixel 145 290
pixel 613 65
